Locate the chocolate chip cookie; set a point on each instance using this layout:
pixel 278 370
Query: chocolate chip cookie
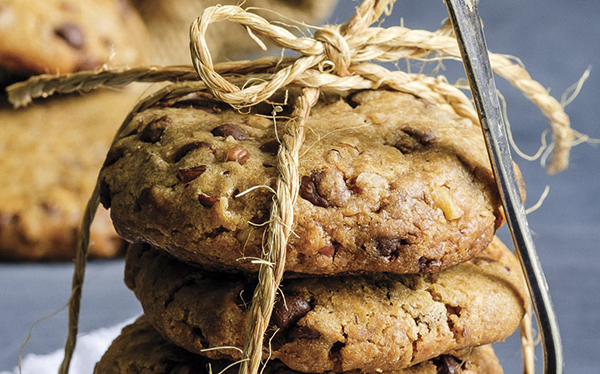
pixel 141 350
pixel 50 155
pixel 169 25
pixel 63 36
pixel 388 183
pixel 377 321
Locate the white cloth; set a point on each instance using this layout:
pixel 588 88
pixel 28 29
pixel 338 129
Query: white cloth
pixel 89 349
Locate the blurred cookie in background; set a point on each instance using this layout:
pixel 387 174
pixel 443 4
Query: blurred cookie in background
pixel 64 36
pixel 169 23
pixel 50 154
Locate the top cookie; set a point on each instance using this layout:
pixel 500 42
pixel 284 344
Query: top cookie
pixel 63 36
pixel 389 183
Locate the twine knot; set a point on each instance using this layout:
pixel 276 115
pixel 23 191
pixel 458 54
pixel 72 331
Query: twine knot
pixel 338 55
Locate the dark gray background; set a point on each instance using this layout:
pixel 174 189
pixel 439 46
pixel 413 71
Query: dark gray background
pixel 556 40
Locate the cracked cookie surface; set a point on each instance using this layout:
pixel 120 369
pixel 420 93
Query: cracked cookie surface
pixel 388 183
pixel 139 349
pixel 369 322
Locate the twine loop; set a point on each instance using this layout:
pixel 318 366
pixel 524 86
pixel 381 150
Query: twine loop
pixel 338 55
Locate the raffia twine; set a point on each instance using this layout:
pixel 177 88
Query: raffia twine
pixel 337 57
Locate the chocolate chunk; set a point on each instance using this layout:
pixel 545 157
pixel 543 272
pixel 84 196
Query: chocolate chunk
pixel 389 248
pixel 189 147
pixel 309 190
pixel 189 174
pixel 297 307
pixel 154 130
pixel 303 332
pixel 112 156
pixel 233 130
pixel 237 154
pixel 446 364
pixel 271 147
pixel 207 201
pixel 72 34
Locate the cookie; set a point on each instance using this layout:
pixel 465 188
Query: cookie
pixel 370 322
pixel 388 183
pixel 169 26
pixel 64 36
pixel 50 155
pixel 141 350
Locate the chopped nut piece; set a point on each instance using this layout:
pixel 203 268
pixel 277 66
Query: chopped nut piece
pixel 189 174
pixel 237 154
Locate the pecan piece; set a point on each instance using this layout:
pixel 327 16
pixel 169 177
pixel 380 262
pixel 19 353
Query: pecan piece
pixel 237 154
pixel 189 174
pixel 207 201
pixel 297 307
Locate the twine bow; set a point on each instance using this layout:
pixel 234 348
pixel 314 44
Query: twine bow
pixel 336 57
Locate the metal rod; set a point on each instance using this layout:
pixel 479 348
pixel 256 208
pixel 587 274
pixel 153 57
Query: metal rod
pixel 469 32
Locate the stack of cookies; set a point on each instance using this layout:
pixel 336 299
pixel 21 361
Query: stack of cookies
pixel 393 266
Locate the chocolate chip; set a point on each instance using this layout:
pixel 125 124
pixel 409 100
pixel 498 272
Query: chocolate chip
pixel 428 263
pixel 303 332
pixel 271 147
pixel 154 130
pixel 237 154
pixel 72 34
pixel 112 156
pixel 189 147
pixel 189 174
pixel 297 307
pixel 207 201
pixel 447 364
pixel 233 130
pixel 309 191
pixel 389 248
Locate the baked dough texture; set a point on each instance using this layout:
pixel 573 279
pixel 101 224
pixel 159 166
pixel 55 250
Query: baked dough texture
pixel 370 322
pixel 388 183
pixel 141 350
